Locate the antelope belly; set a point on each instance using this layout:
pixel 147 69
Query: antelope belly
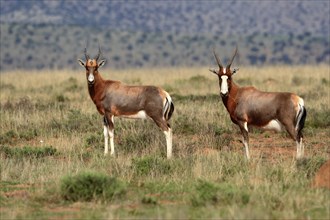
pixel 273 125
pixel 139 115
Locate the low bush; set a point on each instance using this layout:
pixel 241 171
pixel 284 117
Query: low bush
pixel 318 119
pixel 218 193
pixel 76 121
pixel 27 151
pixel 135 141
pixel 9 137
pixel 223 136
pixel 151 165
pixel 150 200
pixel 91 186
pixel 186 125
pixel 95 140
pixel 309 166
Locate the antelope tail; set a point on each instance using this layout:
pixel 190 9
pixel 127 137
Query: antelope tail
pixel 301 117
pixel 168 108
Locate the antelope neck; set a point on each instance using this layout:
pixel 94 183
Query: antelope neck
pixel 96 86
pixel 230 100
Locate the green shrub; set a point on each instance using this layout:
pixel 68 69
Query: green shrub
pixel 151 165
pixel 324 81
pixel 94 140
pixel 187 125
pixel 198 79
pixel 61 98
pixel 195 98
pixel 309 166
pixel 76 121
pixel 206 192
pixel 8 86
pixel 245 81
pixel 71 85
pixel 223 194
pixel 9 137
pixel 222 136
pixel 27 151
pixel 151 200
pixel 89 186
pixel 318 119
pixel 28 134
pixel 129 142
pixel 297 81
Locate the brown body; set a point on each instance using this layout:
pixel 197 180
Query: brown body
pixel 115 99
pixel 248 106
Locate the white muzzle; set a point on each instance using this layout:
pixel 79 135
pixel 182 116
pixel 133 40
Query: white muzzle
pixel 224 85
pixel 90 78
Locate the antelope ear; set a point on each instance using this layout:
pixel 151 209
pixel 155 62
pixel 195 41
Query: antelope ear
pixel 213 71
pixel 234 71
pixel 101 63
pixel 82 63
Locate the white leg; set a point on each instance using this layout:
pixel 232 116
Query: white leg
pixel 245 131
pixel 300 149
pixel 168 135
pixel 111 134
pixel 106 138
pixel 247 153
pixel 112 145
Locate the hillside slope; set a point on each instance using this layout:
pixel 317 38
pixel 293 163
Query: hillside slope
pixel 53 34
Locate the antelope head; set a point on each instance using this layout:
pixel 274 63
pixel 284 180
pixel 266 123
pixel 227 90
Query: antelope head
pixel 225 74
pixel 91 66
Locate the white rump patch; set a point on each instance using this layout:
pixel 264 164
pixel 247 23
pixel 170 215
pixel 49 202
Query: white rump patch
pixel 300 105
pixel 301 101
pixel 224 70
pixel 273 125
pixel 224 84
pixel 140 115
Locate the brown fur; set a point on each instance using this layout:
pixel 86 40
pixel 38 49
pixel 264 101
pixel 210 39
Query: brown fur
pixel 113 98
pixel 248 106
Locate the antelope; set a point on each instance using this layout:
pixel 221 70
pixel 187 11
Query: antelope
pixel 115 99
pixel 248 106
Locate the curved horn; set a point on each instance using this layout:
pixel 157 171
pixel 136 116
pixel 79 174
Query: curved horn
pixel 232 59
pixel 86 55
pixel 217 58
pixel 98 55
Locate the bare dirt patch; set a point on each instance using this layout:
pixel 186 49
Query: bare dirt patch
pixel 270 145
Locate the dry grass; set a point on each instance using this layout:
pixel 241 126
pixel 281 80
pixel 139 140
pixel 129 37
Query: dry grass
pixel 52 108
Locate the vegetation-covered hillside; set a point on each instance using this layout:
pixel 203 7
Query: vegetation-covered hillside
pixel 53 34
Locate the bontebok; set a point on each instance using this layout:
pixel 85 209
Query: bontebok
pixel 113 98
pixel 269 110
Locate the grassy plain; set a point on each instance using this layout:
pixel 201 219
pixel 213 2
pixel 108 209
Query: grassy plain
pixel 51 133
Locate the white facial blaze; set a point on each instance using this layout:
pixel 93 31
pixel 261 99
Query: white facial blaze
pixel 224 84
pixel 90 77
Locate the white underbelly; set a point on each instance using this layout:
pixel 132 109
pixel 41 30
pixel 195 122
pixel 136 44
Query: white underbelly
pixel 273 125
pixel 140 115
